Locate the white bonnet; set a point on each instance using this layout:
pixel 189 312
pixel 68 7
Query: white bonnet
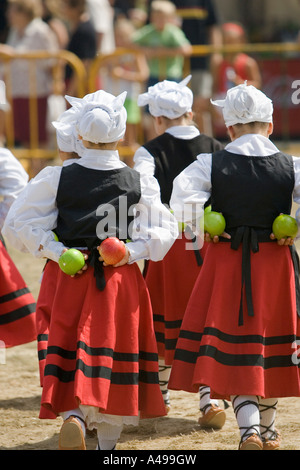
pixel 167 98
pixel 245 103
pixel 101 117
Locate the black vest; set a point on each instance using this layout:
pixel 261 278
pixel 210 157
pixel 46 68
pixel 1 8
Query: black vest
pixel 93 205
pixel 251 191
pixel 85 197
pixel 172 155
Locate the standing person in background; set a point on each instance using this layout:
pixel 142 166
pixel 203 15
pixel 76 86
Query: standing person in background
pixel 165 46
pixel 128 72
pixel 52 16
pixel 163 42
pixel 101 14
pixel 241 327
pixel 230 70
pixel 82 38
pixel 3 21
pixel 171 280
pixel 27 33
pixel 200 24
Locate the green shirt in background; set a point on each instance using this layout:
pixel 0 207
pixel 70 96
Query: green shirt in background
pixel 172 37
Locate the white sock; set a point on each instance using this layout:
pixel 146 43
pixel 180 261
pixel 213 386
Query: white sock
pixel 205 400
pixel 164 376
pixel 108 435
pixel 246 411
pixel 77 413
pixel 267 408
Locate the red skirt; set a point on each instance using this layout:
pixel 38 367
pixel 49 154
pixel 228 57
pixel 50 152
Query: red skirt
pixel 256 358
pixel 170 283
pixel 98 347
pixel 17 305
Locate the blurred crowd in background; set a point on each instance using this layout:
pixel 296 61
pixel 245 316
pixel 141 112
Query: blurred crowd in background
pixel 161 31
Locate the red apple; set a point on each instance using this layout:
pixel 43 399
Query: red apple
pixel 112 250
pixel 214 223
pixel 285 226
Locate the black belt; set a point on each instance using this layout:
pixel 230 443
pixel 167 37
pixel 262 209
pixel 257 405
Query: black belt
pixel 250 239
pixel 197 253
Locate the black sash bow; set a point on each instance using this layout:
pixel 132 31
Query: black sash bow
pixel 250 239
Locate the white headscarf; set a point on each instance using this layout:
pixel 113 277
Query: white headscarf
pixel 66 133
pixel 245 103
pixel 167 98
pixel 101 117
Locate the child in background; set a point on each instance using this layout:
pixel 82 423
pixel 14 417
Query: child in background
pixel 170 281
pixel 165 47
pixel 97 374
pixel 17 305
pixel 127 72
pixel 240 329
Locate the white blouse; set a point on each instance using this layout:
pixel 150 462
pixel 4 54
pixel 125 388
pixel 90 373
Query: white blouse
pixel 33 216
pixel 13 179
pixel 192 188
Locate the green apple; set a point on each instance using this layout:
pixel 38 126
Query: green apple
pixel 214 223
pixel 207 209
pixel 55 237
pixel 71 261
pixel 285 226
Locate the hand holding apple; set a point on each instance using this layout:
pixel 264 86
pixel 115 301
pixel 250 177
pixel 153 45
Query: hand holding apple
pixel 72 261
pixel 113 252
pixel 285 229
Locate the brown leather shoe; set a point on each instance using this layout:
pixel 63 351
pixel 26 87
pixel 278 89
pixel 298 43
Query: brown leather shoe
pixel 273 443
pixel 253 442
pixel 214 418
pixel 71 436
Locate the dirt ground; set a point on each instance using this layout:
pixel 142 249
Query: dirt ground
pixel 21 428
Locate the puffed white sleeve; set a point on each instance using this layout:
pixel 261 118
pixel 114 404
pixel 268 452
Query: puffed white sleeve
pixel 33 216
pixel 296 192
pixel 144 161
pixel 191 189
pixel 154 229
pixel 13 179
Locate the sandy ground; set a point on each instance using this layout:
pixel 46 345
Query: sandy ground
pixel 21 428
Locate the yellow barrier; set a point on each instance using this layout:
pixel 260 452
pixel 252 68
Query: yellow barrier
pixel 89 82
